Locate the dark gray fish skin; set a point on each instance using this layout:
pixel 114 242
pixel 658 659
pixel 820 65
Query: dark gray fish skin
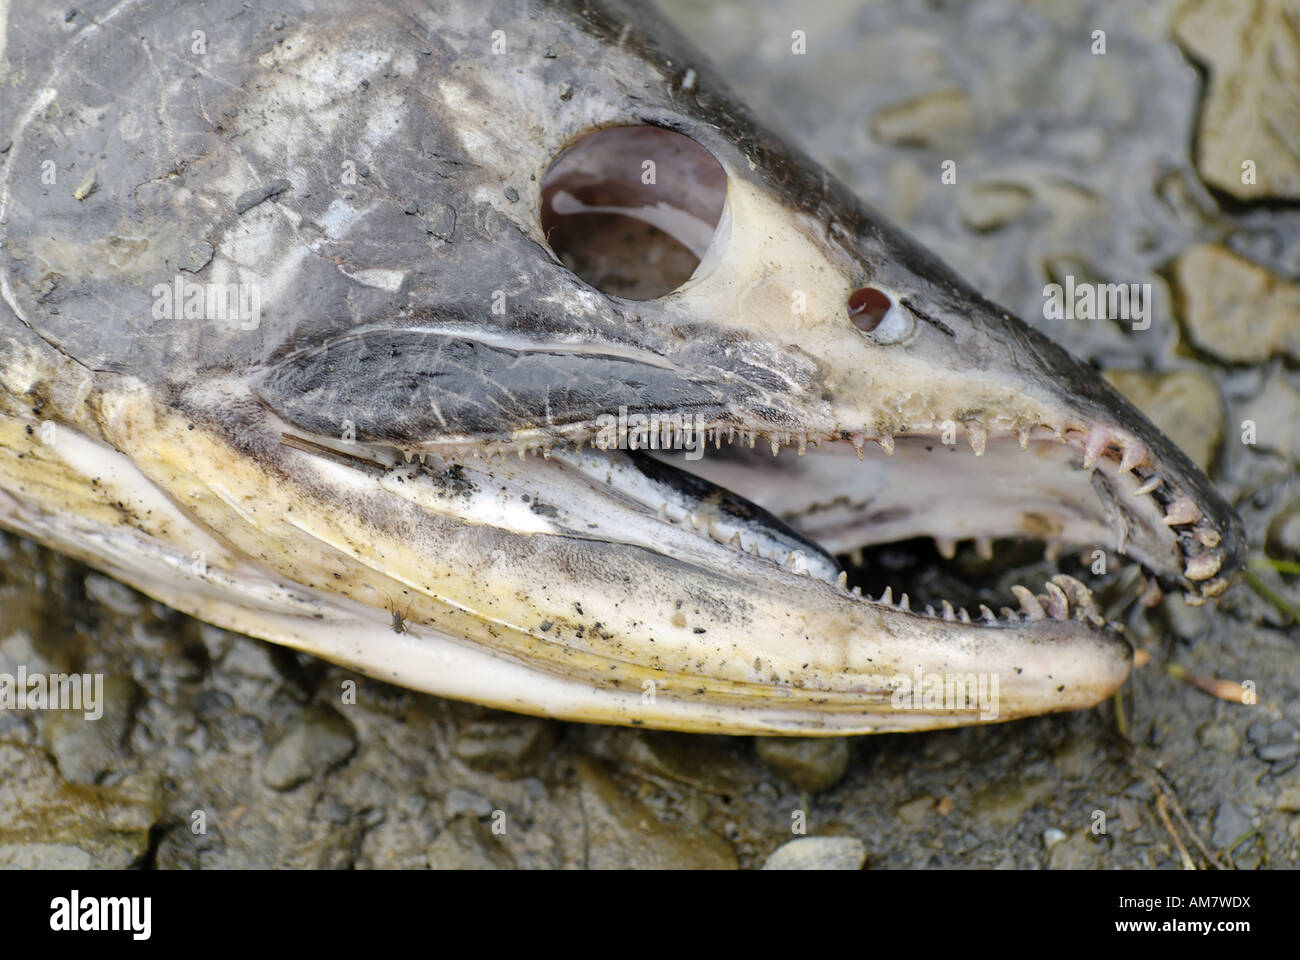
pixel 352 161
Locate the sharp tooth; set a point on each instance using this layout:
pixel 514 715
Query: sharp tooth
pixel 408 455
pixel 842 581
pixel 857 591
pixel 857 557
pixel 1214 587
pixel 987 614
pixel 1148 486
pixel 886 444
pixel 776 447
pixel 1134 456
pixel 1058 607
pixel 888 596
pixel 978 437
pixel 798 561
pixel 1052 550
pixel 1009 614
pixel 1204 566
pixel 904 603
pixel 1093 445
pixel 1207 536
pixel 1029 604
pixel 1079 596
pixel 984 547
pixel 947 610
pixel 860 445
pixel 1023 433
pixel 963 616
pixel 929 610
pixel 803 444
pixel 1182 510
pixel 946 546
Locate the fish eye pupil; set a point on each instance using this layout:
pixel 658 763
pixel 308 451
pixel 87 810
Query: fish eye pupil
pixel 867 307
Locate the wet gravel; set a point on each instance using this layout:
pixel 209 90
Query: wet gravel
pixel 221 751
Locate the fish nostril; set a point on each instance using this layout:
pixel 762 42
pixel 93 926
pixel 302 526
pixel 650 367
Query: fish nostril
pixel 632 210
pixel 867 307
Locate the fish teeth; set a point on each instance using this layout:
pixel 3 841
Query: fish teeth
pixel 1029 604
pixel 929 610
pixel 842 581
pixel 1149 486
pixel 1203 567
pixel 962 615
pixel 860 445
pixel 1134 456
pixel 886 444
pixel 1079 596
pixel 946 546
pixel 904 603
pixel 1094 444
pixel 987 614
pixel 1181 510
pixel 984 548
pixel 1023 434
pixel 978 437
pixel 948 613
pixel 1207 536
pixel 888 596
pixel 1058 607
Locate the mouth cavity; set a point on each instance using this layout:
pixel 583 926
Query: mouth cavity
pixel 798 501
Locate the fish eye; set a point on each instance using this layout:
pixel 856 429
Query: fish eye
pixel 634 210
pixel 876 314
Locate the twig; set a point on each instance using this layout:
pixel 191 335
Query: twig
pixel 1163 809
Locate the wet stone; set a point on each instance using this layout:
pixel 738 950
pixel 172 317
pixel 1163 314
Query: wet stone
pixel 1276 415
pixel 623 833
pixel 1079 851
pixel 442 222
pixel 1273 752
pixel 198 257
pixel 811 764
pixel 506 744
pixel 1220 736
pixel 251 198
pixel 468 845
pixel 1235 309
pixel 1230 823
pixel 459 800
pixel 1184 404
pixel 320 739
pixel 818 853
pixel 1251 50
pixel 85 748
pixel 935 120
pixel 988 206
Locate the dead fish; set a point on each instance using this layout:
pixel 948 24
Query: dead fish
pixel 314 341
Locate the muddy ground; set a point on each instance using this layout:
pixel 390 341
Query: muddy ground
pixel 1122 166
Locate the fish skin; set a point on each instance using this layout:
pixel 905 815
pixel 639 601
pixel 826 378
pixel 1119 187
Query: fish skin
pixel 374 325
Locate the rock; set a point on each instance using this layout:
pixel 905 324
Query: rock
pixel 460 800
pixel 48 823
pixel 1251 106
pixel 1234 308
pixel 1052 836
pixel 1186 405
pixel 988 206
pixel 1288 800
pixel 1273 752
pixel 467 845
pixel 505 743
pixel 1231 822
pixel 1276 415
pixel 705 763
pixel 940 119
pixel 320 739
pixel 85 749
pixel 1220 736
pixel 1079 851
pixel 623 833
pixel 812 764
pixel 818 853
pixel 914 812
pixel 1283 539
